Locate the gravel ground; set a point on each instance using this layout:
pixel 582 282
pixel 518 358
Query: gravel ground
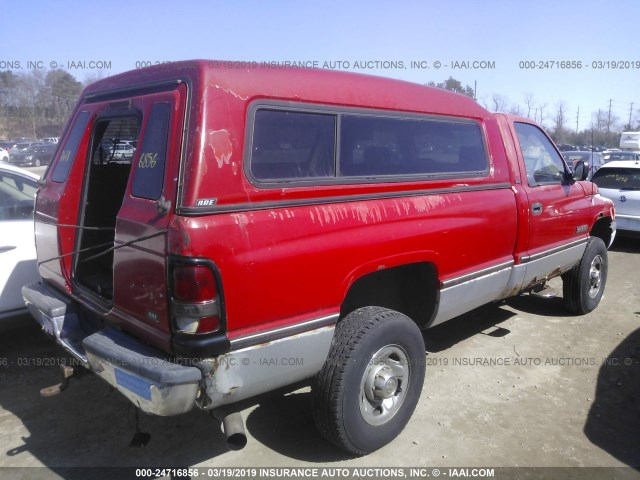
pixel 516 384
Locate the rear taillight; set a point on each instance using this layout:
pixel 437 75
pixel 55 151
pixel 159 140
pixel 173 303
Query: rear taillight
pixel 195 302
pixel 194 283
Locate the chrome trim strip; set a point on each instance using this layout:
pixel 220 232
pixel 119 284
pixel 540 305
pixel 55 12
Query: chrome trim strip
pixel 462 298
pixel 281 332
pixel 245 373
pixel 355 197
pixel 546 253
pixel 474 275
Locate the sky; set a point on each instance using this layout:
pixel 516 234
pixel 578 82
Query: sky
pixel 506 48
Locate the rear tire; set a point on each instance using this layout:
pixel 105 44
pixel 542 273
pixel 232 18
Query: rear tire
pixel 371 382
pixel 583 285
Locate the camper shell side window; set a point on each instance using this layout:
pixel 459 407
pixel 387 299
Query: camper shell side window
pixel 324 145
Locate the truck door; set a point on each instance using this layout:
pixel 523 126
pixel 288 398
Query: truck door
pixel 558 208
pixel 140 257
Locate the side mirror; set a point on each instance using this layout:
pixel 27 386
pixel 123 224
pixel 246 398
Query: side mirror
pixel 581 171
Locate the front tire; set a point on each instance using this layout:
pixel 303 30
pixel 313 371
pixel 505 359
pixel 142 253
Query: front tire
pixel 371 382
pixel 583 285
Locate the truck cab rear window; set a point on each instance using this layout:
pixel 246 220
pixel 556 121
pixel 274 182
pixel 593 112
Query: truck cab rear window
pixel 115 141
pixel 296 145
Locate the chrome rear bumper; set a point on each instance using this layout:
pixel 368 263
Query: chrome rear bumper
pixel 136 370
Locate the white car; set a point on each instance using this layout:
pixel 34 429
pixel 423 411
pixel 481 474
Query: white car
pixel 17 248
pixel 620 181
pixel 123 151
pixel 4 155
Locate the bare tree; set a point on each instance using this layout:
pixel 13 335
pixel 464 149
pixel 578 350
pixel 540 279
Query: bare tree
pixel 515 109
pixel 31 92
pixel 93 77
pixel 599 120
pixel 529 101
pixel 559 121
pixel 483 101
pixel 36 103
pixel 499 103
pixel 543 117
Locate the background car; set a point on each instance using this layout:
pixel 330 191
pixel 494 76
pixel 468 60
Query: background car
pixel 36 154
pixel 620 181
pixel 18 148
pixel 116 150
pixel 123 151
pixel 17 247
pixel 565 147
pixel 49 140
pixel 620 155
pixel 593 160
pixel 4 155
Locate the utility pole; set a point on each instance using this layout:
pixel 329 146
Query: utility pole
pixel 609 118
pixel 630 112
pixel 577 119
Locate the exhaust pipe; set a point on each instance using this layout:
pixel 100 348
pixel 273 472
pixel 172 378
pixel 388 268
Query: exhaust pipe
pixel 233 426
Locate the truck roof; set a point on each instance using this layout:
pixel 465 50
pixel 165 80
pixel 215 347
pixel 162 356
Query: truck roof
pixel 303 84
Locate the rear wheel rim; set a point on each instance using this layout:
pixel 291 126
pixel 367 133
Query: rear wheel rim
pixel 384 385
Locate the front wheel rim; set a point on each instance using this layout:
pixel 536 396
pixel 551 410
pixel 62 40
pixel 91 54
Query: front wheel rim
pixel 595 276
pixel 384 385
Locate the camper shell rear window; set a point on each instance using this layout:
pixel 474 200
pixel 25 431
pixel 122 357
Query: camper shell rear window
pixel 68 152
pixel 325 145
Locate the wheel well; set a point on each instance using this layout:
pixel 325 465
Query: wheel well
pixel 409 289
pixel 602 229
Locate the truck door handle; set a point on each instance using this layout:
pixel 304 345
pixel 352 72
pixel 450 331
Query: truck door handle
pixel 536 208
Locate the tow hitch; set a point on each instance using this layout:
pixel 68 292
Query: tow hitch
pixel 67 373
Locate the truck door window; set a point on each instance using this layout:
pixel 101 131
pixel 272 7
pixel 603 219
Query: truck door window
pixel 543 164
pixel 149 175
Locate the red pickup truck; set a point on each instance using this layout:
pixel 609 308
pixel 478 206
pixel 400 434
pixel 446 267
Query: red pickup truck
pixel 273 226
